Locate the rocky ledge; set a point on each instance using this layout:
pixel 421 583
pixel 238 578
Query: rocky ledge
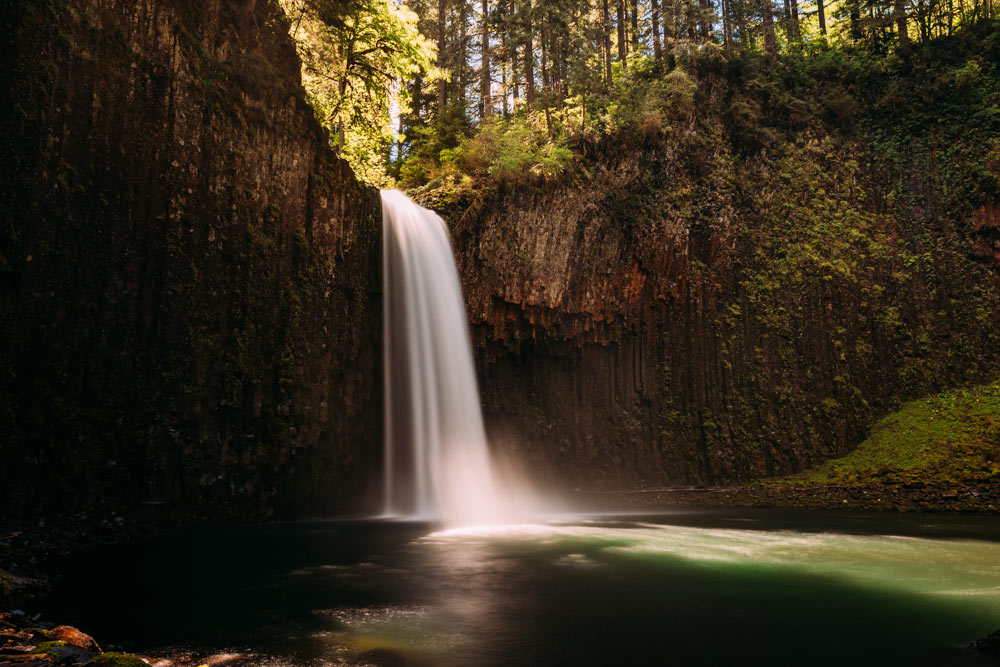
pixel 25 640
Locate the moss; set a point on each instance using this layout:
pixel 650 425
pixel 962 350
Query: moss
pixel 51 649
pixel 948 440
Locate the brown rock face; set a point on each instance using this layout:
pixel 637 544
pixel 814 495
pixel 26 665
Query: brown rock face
pixel 189 278
pixel 673 321
pixel 73 636
pixel 986 233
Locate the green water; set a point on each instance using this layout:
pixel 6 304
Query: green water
pixel 692 587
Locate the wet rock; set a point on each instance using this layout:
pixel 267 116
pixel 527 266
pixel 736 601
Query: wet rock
pixel 61 653
pixel 24 640
pixel 988 646
pixel 15 590
pixel 74 637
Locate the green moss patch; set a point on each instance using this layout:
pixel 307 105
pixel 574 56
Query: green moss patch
pixel 952 439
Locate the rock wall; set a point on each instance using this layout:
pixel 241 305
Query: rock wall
pixel 678 313
pixel 190 277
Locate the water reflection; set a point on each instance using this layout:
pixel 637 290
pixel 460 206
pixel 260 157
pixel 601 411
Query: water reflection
pixel 566 592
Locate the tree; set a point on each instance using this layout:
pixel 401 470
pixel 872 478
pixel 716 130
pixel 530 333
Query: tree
pixel 622 42
pixel 606 25
pixel 655 28
pixel 529 56
pixel 767 23
pixel 354 58
pixel 486 82
pixel 899 16
pixel 443 81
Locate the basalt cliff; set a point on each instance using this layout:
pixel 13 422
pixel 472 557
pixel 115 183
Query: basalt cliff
pixel 189 277
pixel 742 289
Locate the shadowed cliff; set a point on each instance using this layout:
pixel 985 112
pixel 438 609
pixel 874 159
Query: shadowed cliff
pixel 190 278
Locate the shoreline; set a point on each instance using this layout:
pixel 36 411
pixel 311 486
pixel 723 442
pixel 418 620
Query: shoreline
pixel 882 498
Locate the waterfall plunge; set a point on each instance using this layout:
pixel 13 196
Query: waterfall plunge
pixel 437 465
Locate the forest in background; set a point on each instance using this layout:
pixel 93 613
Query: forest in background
pixel 446 92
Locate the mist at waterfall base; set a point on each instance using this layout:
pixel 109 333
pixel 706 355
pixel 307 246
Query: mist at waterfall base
pixel 437 463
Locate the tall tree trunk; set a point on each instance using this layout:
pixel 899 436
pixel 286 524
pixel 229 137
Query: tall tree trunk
pixel 741 19
pixel 855 20
pixel 485 83
pixel 416 97
pixel 501 63
pixel 655 18
pixel 545 65
pixel 514 79
pixel 770 43
pixel 529 61
pixel 820 11
pixel 727 27
pixel 635 25
pixel 442 61
pixel 706 19
pixel 796 33
pixel 899 16
pixel 546 81
pixel 606 25
pixel 462 43
pixel 622 43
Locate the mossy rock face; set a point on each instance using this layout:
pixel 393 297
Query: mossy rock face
pixel 117 660
pixel 61 652
pixel 50 649
pixel 947 441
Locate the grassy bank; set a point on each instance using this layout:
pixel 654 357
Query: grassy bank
pixel 945 441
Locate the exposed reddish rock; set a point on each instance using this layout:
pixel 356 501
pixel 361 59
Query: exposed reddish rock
pixel 630 333
pixel 70 635
pixel 986 233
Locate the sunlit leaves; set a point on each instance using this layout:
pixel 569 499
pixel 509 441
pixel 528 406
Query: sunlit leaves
pixel 355 55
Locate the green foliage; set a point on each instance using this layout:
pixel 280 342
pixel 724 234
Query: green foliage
pixel 949 439
pixel 502 150
pixel 354 56
pixel 51 649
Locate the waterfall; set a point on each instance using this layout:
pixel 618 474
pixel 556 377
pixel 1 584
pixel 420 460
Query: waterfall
pixel 437 465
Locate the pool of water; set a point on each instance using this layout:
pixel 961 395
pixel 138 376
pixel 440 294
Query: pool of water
pixel 688 587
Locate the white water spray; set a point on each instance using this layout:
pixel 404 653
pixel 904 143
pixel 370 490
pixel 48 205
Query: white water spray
pixel 437 465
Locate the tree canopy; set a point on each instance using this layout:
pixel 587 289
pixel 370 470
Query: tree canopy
pixel 500 87
pixel 355 56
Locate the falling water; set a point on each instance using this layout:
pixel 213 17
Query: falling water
pixel 437 465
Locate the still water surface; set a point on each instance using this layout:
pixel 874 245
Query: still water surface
pixel 692 587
